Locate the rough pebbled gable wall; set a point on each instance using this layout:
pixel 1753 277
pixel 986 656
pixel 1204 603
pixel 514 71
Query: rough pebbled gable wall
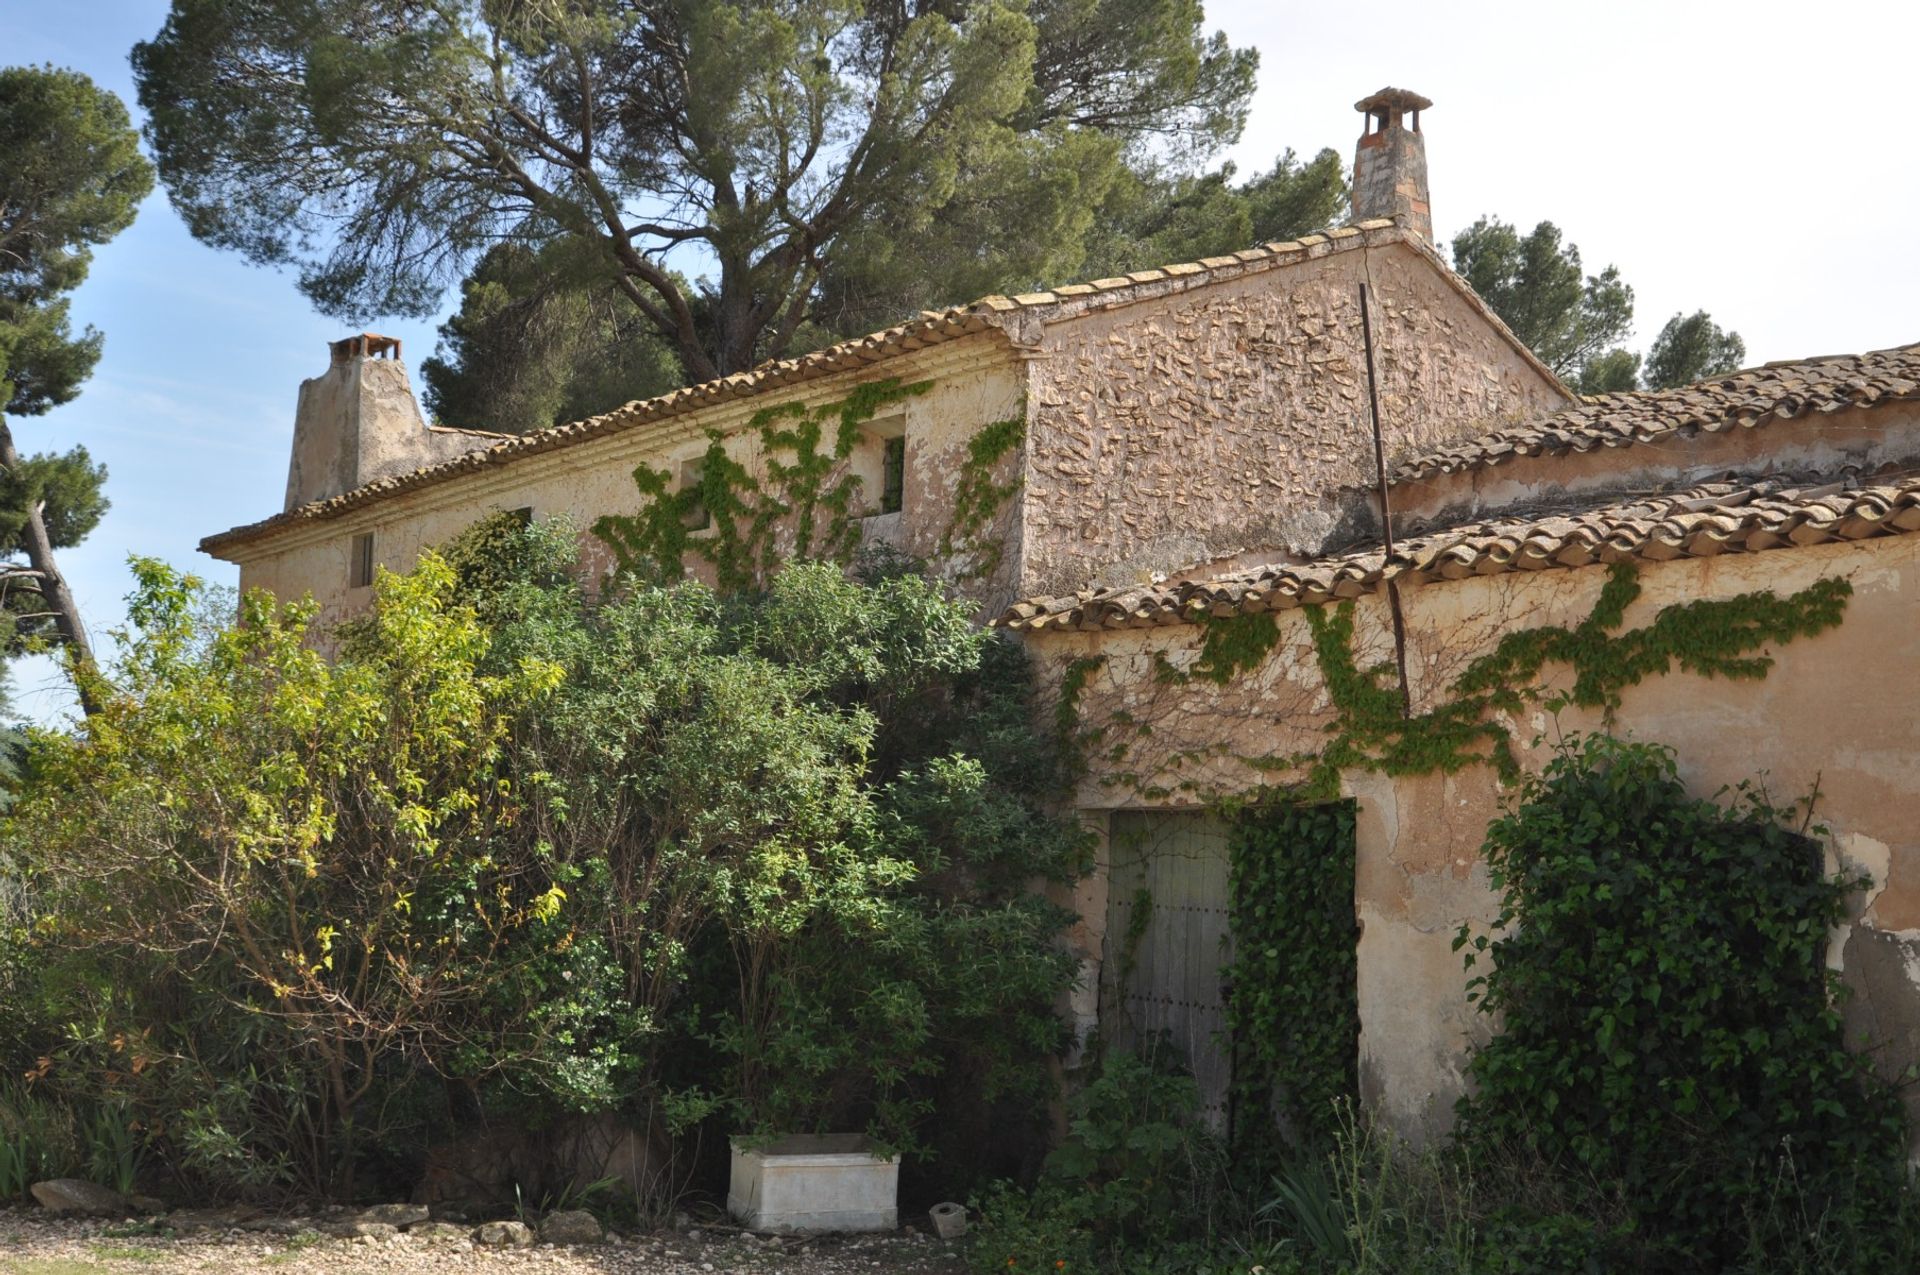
pixel 1204 425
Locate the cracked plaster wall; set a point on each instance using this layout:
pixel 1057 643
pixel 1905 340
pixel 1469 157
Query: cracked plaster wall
pixel 1201 425
pixel 1836 712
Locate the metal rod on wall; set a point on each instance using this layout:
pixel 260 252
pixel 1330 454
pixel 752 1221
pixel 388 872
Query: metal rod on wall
pixel 1386 509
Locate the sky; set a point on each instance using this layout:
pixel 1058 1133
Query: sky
pixel 1752 159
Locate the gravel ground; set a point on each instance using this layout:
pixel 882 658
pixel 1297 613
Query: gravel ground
pixel 34 1243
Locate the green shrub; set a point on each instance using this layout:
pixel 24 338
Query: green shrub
pixel 1139 1182
pixel 1515 1242
pixel 1136 1151
pixel 1045 1229
pixel 1669 1026
pixel 521 854
pixel 39 1139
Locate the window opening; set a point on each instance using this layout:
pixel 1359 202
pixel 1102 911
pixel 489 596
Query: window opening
pixel 893 475
pixel 360 571
pixel 698 517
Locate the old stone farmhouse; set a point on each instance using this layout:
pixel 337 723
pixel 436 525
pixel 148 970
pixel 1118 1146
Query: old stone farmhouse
pixel 1166 483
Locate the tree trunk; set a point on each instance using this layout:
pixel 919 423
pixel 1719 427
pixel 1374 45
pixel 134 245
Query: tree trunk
pixel 53 586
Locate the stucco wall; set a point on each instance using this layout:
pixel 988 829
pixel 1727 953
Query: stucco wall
pixel 1202 425
pixel 358 422
pixel 973 383
pixel 1836 711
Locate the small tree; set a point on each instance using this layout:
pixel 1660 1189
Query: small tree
pixel 1692 348
pixel 804 824
pixel 72 179
pixel 286 868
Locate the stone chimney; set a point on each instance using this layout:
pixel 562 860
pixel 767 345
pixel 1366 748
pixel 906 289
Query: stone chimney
pixel 357 423
pixel 1390 162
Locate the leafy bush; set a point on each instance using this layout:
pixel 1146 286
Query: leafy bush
pixel 1136 1150
pixel 1139 1182
pixel 1043 1230
pixel 1515 1242
pixel 1668 1023
pixel 820 811
pixel 253 858
pixel 518 851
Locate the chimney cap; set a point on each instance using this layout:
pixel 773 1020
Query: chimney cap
pixel 365 345
pixel 1392 99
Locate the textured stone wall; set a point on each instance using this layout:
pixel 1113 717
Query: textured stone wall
pixel 1232 420
pixel 1831 714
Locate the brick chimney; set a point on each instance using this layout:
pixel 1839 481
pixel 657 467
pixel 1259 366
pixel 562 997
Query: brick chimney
pixel 1390 162
pixel 358 422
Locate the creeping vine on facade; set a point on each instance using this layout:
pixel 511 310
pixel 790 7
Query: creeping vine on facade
pixel 802 448
pixel 805 508
pixel 1369 730
pixel 1291 1005
pixel 977 498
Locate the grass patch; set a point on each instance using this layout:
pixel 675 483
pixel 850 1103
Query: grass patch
pixel 46 1266
pixel 125 1253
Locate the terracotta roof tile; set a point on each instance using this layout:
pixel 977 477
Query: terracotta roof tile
pixel 1729 516
pixel 931 327
pixel 1739 400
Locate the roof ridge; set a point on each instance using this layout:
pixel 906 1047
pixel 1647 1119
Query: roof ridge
pixel 1748 398
pixel 929 327
pixel 1732 515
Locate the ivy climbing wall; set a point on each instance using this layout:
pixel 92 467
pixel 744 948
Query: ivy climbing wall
pixel 1199 426
pixel 1793 666
pixel 785 472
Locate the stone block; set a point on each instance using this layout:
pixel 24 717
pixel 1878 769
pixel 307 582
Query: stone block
pixel 570 1226
pixel 814 1182
pixel 74 1195
pixel 949 1220
pixel 503 1235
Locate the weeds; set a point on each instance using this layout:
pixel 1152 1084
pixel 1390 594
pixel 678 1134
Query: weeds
pixel 39 1139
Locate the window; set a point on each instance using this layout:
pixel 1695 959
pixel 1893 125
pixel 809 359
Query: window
pixel 360 565
pixel 879 462
pixel 893 475
pixel 698 516
pixel 523 515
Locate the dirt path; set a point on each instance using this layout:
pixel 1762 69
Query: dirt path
pixel 32 1243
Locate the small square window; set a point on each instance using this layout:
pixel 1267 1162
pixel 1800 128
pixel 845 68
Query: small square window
pixel 697 517
pixel 523 515
pixel 893 475
pixel 360 567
